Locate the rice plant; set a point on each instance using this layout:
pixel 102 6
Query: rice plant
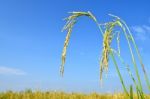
pixel 108 52
pixel 71 20
pixel 130 40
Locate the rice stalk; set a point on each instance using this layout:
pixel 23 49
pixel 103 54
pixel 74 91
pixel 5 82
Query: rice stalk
pixel 130 38
pixel 119 74
pixel 133 59
pixel 137 92
pixel 139 56
pixel 107 39
pixel 130 73
pixel 126 66
pixel 130 48
pixel 105 59
pixel 131 92
pixel 132 55
pixel 107 50
pixel 71 20
pixel 118 42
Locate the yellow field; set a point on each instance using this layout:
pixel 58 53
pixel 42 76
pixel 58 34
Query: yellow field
pixel 61 95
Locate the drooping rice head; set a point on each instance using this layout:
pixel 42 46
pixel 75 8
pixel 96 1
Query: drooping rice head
pixel 71 20
pixel 69 29
pixel 75 15
pixel 107 39
pixel 105 52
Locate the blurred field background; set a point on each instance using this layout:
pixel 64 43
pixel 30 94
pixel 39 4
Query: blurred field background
pixel 28 94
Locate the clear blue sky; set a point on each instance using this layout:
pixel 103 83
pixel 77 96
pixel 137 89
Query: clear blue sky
pixel 31 43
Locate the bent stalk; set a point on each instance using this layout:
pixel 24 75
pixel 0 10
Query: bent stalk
pixel 71 20
pixel 138 53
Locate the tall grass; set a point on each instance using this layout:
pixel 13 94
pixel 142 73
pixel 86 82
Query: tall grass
pixel 108 52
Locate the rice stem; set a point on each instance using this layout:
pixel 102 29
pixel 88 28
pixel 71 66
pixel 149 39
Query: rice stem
pixel 119 74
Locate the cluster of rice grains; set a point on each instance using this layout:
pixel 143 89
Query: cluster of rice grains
pixel 71 20
pixel 108 31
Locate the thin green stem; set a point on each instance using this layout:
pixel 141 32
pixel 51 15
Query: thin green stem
pixel 133 59
pixel 119 74
pixel 121 23
pixel 95 20
pixel 131 92
pixel 126 65
pixel 136 48
pixel 139 56
pixel 130 73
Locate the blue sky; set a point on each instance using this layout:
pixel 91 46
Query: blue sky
pixel 31 43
